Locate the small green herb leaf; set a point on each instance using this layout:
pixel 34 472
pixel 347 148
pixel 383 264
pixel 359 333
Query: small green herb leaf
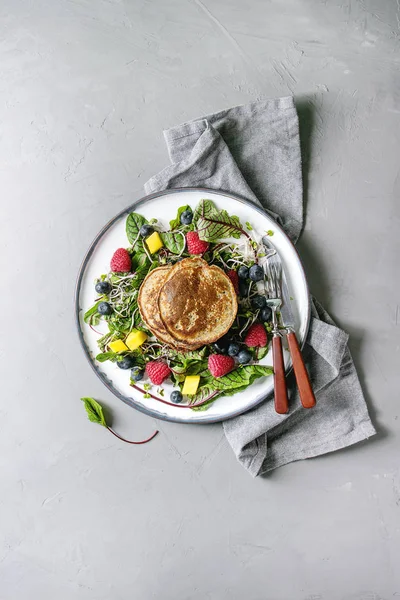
pixel 249 226
pixel 270 232
pixel 103 356
pixel 134 222
pixel 94 411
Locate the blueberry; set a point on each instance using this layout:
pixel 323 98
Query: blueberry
pixel 186 217
pixel 102 287
pixel 258 302
pixel 243 288
pixel 136 374
pixel 104 308
pixel 243 272
pixel 244 357
pixel 126 363
pixel 222 344
pixel 176 397
pixel 233 349
pixel 265 314
pixel 256 273
pixel 146 230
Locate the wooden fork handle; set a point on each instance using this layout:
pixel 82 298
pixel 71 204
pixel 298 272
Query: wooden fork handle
pixel 280 391
pixel 306 393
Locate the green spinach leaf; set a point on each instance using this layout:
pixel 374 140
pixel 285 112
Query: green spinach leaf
pixel 134 222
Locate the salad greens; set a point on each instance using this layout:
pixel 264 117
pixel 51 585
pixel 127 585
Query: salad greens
pixel 230 247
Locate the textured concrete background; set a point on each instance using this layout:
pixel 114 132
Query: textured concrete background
pixel 86 89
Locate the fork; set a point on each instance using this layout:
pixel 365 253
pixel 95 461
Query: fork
pixel 273 271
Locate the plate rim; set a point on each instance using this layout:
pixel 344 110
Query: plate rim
pixel 143 200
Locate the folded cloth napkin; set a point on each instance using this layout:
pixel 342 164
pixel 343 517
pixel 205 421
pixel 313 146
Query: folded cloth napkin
pixel 254 151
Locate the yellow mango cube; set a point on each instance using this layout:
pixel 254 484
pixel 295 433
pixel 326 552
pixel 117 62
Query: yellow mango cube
pixel 154 242
pixel 135 339
pixel 191 384
pixel 118 346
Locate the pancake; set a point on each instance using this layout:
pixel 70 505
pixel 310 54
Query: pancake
pixel 148 306
pixel 197 302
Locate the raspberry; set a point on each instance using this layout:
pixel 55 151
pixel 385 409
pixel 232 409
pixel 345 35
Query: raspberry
pixel 234 277
pixel 194 244
pixel 121 261
pixel 219 365
pixel 157 371
pixel 256 336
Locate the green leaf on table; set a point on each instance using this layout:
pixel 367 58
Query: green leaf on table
pixel 134 222
pixel 94 411
pixel 174 241
pixel 214 225
pixel 177 221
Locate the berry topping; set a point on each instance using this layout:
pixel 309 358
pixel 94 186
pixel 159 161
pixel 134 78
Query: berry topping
pixel 126 363
pixel 137 374
pixel 233 276
pixel 256 273
pixel 102 287
pixel 176 397
pixel 157 371
pixel 220 365
pixel 194 244
pixel 146 230
pixel 233 349
pixel 256 336
pixel 258 302
pixel 244 357
pixel 104 308
pixel 186 217
pixel 243 272
pixel 265 314
pixel 121 261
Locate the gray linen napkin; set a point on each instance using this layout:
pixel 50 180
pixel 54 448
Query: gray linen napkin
pixel 254 151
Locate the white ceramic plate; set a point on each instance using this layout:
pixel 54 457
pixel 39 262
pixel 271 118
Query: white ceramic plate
pixel 164 206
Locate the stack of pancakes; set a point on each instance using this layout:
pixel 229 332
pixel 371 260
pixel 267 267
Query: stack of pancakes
pixel 189 304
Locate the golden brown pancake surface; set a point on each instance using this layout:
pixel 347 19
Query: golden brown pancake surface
pixel 197 302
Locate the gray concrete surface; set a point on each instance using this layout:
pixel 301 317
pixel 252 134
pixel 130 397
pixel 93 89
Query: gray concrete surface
pixel 86 89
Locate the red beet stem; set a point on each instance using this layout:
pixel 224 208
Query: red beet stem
pixel 95 330
pixel 171 403
pixel 129 441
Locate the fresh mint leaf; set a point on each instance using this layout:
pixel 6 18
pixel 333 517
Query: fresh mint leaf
pixel 214 225
pixel 134 222
pixel 177 221
pixel 103 356
pixel 94 411
pixel 174 241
